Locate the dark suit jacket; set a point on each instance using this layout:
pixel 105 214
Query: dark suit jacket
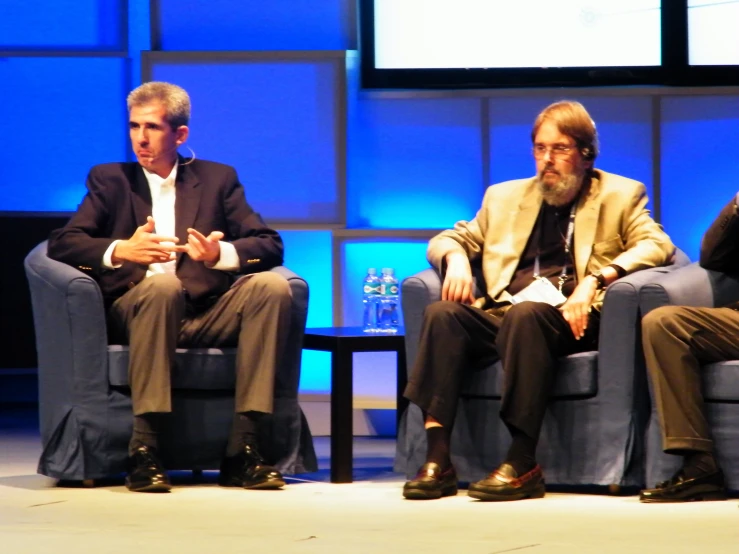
pixel 720 245
pixel 208 198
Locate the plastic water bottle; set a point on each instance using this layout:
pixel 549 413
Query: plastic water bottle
pixel 370 294
pixel 387 315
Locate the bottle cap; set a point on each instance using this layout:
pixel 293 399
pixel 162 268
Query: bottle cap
pixel 372 271
pixel 388 270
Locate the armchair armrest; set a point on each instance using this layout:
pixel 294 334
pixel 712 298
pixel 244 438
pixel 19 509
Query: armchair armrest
pixel 71 336
pixel 691 285
pixel 288 374
pixel 417 292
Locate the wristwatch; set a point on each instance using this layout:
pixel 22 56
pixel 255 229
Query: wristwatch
pixel 601 280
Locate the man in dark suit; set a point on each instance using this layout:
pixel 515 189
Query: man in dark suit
pixel 677 341
pixel 180 258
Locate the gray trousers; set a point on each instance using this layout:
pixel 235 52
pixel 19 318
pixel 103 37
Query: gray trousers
pixel 154 319
pixel 677 341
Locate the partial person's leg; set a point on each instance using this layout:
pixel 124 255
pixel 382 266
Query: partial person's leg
pixel 453 337
pixel 531 339
pixel 148 318
pixel 253 315
pixel 677 341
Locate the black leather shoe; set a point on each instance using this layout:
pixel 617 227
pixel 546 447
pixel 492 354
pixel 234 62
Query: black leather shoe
pixel 248 470
pixel 505 484
pixel 679 489
pixel 431 482
pixel 145 471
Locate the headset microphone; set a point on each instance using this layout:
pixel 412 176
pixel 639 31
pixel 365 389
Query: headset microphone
pixel 167 152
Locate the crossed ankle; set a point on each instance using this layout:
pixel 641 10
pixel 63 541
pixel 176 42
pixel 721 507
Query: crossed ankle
pixel 522 466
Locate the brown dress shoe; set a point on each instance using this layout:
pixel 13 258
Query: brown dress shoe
pixel 431 482
pixel 505 484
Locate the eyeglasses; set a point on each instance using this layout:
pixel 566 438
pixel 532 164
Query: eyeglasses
pixel 558 151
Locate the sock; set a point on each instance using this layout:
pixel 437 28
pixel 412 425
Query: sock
pixel 438 446
pixel 696 464
pixel 243 431
pixel 145 431
pixel 522 453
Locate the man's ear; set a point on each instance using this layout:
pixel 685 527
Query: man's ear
pixel 182 132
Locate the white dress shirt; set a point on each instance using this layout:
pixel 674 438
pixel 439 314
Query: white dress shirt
pixel 162 210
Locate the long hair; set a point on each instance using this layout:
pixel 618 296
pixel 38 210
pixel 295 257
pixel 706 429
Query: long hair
pixel 573 120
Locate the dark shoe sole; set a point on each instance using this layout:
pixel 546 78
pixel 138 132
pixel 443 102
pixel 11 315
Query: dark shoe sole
pixel 699 496
pixel 272 484
pixel 151 487
pixel 481 494
pixel 425 494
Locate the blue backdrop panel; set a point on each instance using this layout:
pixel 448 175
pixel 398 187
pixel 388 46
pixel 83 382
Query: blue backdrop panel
pixel 700 141
pixel 272 25
pixel 413 163
pixel 624 126
pixel 139 36
pixel 308 253
pixel 61 24
pixel 275 122
pixel 70 116
pixel 406 256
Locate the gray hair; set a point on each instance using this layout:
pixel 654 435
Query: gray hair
pixel 175 100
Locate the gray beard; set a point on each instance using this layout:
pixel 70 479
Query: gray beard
pixel 563 191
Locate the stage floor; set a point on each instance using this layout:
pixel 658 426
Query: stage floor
pixel 312 515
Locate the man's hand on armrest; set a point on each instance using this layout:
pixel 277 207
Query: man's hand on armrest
pixel 457 285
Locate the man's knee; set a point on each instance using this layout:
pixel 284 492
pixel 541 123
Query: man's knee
pixel 162 287
pixel 271 286
pixel 442 310
pixel 525 313
pixel 662 320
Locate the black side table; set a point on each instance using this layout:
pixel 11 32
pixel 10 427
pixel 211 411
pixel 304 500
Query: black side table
pixel 343 342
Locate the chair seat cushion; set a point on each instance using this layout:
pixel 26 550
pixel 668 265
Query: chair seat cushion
pixel 721 381
pixel 577 377
pixel 195 368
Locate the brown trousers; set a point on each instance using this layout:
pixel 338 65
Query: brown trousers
pixel 677 341
pixel 154 319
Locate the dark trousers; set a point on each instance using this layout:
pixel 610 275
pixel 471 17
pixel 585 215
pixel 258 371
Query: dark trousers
pixel 528 339
pixel 154 318
pixel 677 341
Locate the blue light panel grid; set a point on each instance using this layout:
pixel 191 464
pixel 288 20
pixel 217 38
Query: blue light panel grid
pixel 61 25
pixel 413 163
pixel 274 25
pixel 700 141
pixel 275 121
pixel 71 115
pixel 406 256
pixel 308 253
pixel 624 127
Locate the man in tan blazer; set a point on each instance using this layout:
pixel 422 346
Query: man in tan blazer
pixel 549 246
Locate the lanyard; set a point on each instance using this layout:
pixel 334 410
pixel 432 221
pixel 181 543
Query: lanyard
pixel 568 240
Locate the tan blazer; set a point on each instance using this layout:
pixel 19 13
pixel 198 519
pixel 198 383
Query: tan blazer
pixel 612 225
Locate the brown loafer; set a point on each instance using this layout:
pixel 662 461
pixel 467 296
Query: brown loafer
pixel 431 482
pixel 505 484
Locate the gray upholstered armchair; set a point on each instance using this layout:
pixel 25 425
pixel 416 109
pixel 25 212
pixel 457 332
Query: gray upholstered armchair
pixel 592 434
pixel 696 286
pixel 84 400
